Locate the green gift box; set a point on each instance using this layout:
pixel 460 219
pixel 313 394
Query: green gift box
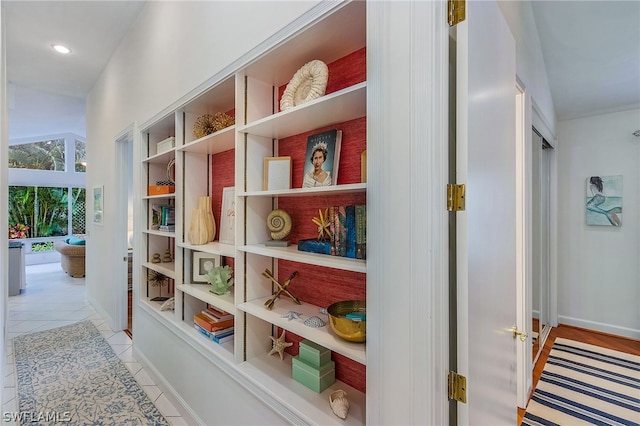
pixel 317 379
pixel 314 354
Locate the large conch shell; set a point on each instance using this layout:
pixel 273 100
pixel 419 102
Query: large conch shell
pixel 307 84
pixel 339 403
pixel 279 223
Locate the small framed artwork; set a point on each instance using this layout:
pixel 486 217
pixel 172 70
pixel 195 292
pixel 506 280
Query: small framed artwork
pixel 228 216
pixel 98 204
pixel 322 159
pixel 203 263
pixel 604 200
pixel 277 173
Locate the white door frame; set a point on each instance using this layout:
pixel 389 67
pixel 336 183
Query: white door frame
pixel 120 237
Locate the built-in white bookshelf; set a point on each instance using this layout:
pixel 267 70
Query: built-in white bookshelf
pixel 234 156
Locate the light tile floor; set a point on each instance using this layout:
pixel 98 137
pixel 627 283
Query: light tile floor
pixel 53 299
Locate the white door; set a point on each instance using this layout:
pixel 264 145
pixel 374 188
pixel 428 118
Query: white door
pixel 486 242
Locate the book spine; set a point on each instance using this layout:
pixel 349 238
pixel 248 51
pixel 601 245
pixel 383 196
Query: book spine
pixel 351 231
pixel 336 222
pixel 314 246
pixel 202 331
pixel 332 228
pixel 342 247
pixel 360 227
pixel 223 339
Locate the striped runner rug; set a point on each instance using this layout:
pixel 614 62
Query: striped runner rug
pixel 586 384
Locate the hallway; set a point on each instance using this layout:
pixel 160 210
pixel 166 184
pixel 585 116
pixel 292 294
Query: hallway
pixel 53 299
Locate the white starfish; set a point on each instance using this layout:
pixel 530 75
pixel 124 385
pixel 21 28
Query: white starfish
pixel 292 315
pixel 279 345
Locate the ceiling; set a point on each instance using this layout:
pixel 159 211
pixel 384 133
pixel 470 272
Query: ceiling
pixel 591 51
pixel 46 90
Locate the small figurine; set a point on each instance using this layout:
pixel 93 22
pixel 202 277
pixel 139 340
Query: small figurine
pixel 339 403
pixel 279 345
pixel 220 279
pixel 156 258
pixel 167 256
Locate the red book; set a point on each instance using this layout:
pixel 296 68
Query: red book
pixel 208 324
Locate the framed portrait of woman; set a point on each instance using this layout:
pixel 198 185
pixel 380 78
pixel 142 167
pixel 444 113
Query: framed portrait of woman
pixel 322 159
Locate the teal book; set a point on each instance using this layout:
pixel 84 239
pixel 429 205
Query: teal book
pixel 351 231
pixel 361 232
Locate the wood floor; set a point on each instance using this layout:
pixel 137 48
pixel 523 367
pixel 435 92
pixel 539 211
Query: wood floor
pixel 622 344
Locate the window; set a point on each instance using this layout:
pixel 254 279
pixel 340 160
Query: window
pixel 43 210
pixel 46 155
pixel 81 156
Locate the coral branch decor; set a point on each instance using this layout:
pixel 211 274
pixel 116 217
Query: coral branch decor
pixel 323 223
pixel 282 288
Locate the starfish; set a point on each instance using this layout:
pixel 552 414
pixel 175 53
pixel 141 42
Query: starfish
pixel 279 345
pixel 323 223
pixel 292 315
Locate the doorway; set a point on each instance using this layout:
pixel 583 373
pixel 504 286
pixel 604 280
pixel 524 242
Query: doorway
pixel 541 241
pixel 124 237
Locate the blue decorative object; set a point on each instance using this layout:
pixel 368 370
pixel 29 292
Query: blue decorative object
pixel 315 246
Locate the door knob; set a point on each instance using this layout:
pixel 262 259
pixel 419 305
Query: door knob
pixel 516 332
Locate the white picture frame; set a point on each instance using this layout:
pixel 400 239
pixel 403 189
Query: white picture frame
pixel 98 204
pixel 277 173
pixel 228 216
pixel 202 263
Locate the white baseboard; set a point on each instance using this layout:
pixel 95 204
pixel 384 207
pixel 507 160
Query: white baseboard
pixel 599 326
pixel 178 402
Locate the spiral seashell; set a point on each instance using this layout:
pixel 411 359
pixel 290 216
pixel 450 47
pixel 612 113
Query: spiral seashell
pixel 307 84
pixel 339 403
pixel 279 223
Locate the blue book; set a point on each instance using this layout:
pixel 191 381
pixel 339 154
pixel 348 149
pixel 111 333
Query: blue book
pixel 351 231
pixel 315 246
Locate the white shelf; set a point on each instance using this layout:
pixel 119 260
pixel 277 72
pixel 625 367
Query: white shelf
pixel 162 158
pixel 155 306
pixel 201 292
pixel 337 107
pixel 160 233
pixel 161 196
pixel 165 268
pixel 274 376
pixel 293 254
pixel 352 188
pixel 214 247
pixel 220 141
pixel 323 336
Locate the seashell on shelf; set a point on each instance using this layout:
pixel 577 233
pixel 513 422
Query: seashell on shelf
pixel 339 403
pixel 307 84
pixel 279 223
pixel 315 322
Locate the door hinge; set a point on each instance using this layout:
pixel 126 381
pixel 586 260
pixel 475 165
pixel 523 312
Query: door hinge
pixel 455 197
pixel 457 387
pixel 457 11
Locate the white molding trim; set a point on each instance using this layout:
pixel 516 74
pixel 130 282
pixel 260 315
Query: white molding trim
pixel 600 326
pixel 410 129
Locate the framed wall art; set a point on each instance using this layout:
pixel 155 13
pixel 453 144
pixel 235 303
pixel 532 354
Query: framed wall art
pixel 277 173
pixel 203 263
pixel 604 200
pixel 228 216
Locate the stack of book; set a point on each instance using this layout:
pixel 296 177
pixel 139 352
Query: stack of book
pixel 215 324
pixel 164 217
pixel 348 234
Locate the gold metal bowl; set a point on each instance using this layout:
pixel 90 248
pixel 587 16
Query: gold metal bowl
pixel 353 330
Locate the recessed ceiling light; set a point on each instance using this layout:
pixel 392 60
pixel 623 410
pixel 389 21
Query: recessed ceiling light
pixel 61 48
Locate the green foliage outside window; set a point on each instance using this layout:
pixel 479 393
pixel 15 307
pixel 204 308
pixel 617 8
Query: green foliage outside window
pixel 44 210
pixel 81 156
pixel 47 155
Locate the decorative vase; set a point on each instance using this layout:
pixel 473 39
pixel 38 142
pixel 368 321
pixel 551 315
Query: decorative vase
pixel 204 204
pixel 198 230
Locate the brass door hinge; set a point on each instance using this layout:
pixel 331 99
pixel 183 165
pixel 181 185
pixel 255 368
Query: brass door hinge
pixel 457 387
pixel 455 197
pixel 457 11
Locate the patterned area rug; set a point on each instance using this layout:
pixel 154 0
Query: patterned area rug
pixel 586 384
pixel 70 375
